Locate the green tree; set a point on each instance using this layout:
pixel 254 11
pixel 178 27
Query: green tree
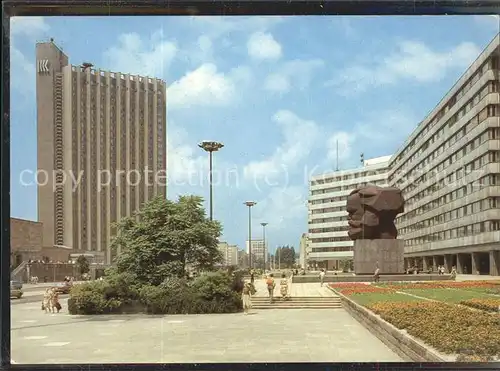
pixel 164 237
pixel 285 255
pixel 83 264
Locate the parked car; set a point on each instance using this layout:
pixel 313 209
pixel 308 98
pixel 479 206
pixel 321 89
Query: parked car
pixel 63 287
pixel 16 289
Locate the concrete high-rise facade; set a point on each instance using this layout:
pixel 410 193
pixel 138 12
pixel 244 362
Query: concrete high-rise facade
pixel 449 172
pixel 229 254
pixel 259 252
pixel 328 243
pixel 101 146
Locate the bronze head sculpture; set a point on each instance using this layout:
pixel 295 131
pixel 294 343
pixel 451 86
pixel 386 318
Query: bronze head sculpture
pixel 372 211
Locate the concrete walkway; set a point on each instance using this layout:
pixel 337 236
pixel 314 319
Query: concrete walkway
pixel 273 335
pixel 473 277
pixel 311 290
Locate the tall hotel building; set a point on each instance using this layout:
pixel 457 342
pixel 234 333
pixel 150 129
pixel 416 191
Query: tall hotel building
pixel 449 172
pixel 89 121
pixel 259 252
pixel 327 241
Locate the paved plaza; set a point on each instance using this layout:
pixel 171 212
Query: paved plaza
pixel 266 336
pixel 296 289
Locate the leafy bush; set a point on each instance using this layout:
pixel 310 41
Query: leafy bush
pixel 488 305
pixel 448 328
pixel 122 285
pixel 216 293
pixel 208 293
pixel 91 298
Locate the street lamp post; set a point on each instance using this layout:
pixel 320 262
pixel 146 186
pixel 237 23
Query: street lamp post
pixel 250 204
pixel 264 238
pixel 210 147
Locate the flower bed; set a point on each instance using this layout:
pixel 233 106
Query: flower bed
pixel 488 305
pixel 442 285
pixel 349 289
pixel 347 285
pixel 448 328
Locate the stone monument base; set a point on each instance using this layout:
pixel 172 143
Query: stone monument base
pixel 386 254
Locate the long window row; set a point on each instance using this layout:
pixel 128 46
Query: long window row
pixel 347 187
pixel 465 231
pixel 340 178
pixel 491 63
pixel 488 111
pixel 331 229
pixel 329 210
pixel 459 212
pixel 330 239
pixel 423 166
pixel 328 220
pixel 381 182
pixel 409 182
pixel 457 179
pixel 332 249
pixel 468 189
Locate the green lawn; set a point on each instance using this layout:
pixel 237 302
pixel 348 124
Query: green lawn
pixel 484 290
pixel 449 295
pixel 370 298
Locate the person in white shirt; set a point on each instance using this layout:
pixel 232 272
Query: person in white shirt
pixel 322 276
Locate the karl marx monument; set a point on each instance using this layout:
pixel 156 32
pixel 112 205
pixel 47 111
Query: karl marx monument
pixel 372 211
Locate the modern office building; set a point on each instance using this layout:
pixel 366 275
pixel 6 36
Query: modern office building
pixel 229 254
pixel 449 172
pixel 105 129
pixel 328 243
pixel 259 252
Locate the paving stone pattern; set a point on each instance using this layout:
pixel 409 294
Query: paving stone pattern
pixel 265 336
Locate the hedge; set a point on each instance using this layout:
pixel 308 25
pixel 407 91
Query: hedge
pixel 216 292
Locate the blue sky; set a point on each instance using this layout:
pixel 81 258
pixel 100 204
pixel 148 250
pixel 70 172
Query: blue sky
pixel 279 92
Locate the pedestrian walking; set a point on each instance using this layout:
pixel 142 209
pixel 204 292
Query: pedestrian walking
pixel 46 302
pixel 54 300
pixel 453 273
pixel 252 276
pixel 270 287
pixel 322 277
pixel 376 275
pixel 284 287
pixel 248 291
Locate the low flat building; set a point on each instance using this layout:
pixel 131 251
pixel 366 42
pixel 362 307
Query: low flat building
pixel 26 241
pixel 328 242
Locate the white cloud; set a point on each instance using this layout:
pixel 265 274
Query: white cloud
pixel 278 83
pixel 22 76
pixel 185 162
pixel 206 86
pixel 413 60
pixel 219 26
pixel 296 73
pixel 299 137
pixel 263 46
pixel 339 145
pixel 135 56
pixel 28 26
pixel 282 205
pixel 385 128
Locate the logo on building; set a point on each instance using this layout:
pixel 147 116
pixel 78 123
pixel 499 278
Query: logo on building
pixel 42 66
